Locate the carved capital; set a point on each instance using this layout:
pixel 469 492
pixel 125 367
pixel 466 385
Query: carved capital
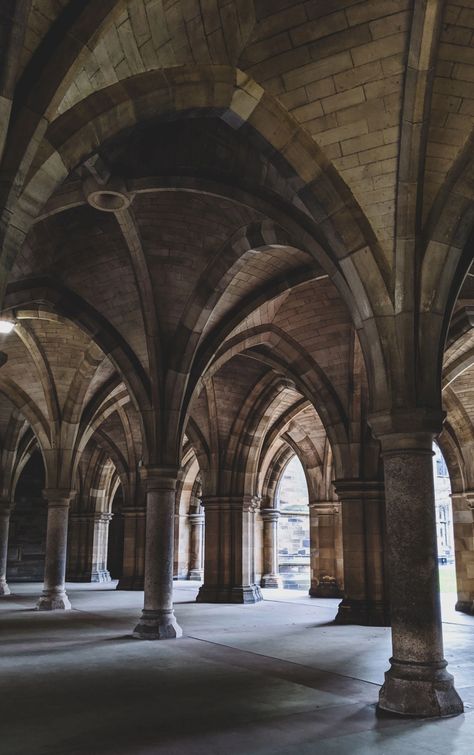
pixel 270 515
pixel 159 478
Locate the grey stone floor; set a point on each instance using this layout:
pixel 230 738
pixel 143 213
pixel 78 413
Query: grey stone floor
pixel 276 677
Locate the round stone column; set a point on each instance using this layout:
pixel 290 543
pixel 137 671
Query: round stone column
pixel 417 683
pixel 158 621
pixel 271 577
pixel 5 511
pixel 196 523
pixel 54 596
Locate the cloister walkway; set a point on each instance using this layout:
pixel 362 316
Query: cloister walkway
pixel 275 677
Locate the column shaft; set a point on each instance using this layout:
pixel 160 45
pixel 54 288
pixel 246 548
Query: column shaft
pixel 196 523
pixel 158 621
pixel 5 511
pixel 229 553
pixel 365 598
pixel 463 526
pixel 324 538
pixel 270 577
pixel 417 683
pixel 134 538
pixel 88 539
pixel 54 593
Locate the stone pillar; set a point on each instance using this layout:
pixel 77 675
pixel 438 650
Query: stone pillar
pixel 54 593
pixel 158 621
pixel 196 523
pixel 5 511
pixel 229 570
pixel 417 683
pixel 88 539
pixel 365 598
pixel 463 526
pixel 99 571
pixel 133 573
pixel 324 539
pixel 271 577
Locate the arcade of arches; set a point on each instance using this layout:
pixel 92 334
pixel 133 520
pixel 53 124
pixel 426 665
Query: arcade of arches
pixel 234 232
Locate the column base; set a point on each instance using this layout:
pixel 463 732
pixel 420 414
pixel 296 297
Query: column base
pixel 196 575
pixel 247 594
pixel 325 588
pixel 131 583
pixel 465 606
pixel 270 580
pixel 96 576
pixel 157 625
pixel 57 601
pixel 416 689
pixel 102 575
pixel 363 612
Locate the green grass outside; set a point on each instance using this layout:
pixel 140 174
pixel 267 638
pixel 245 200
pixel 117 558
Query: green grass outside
pixel 447 578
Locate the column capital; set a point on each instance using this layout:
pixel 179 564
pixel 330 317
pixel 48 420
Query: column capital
pixel 251 503
pixel 355 489
pixel 137 511
pixel 103 516
pixel 159 478
pixel 465 495
pixel 58 496
pixel 270 515
pixel 242 502
pixel 325 507
pixel 93 516
pixel 196 519
pixel 407 430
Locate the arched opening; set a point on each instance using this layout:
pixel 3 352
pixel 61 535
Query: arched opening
pixel 293 528
pixel 27 540
pixel 115 544
pixel 444 530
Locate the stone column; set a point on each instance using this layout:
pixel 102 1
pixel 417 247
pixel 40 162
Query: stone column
pixel 79 545
pixel 54 593
pixel 365 598
pixel 417 683
pixel 196 523
pixel 463 526
pixel 158 621
pixel 99 571
pixel 324 537
pixel 229 571
pixel 271 577
pixel 5 511
pixel 133 573
pixel 87 557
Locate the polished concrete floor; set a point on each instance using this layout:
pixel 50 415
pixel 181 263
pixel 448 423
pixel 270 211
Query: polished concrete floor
pixel 276 677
